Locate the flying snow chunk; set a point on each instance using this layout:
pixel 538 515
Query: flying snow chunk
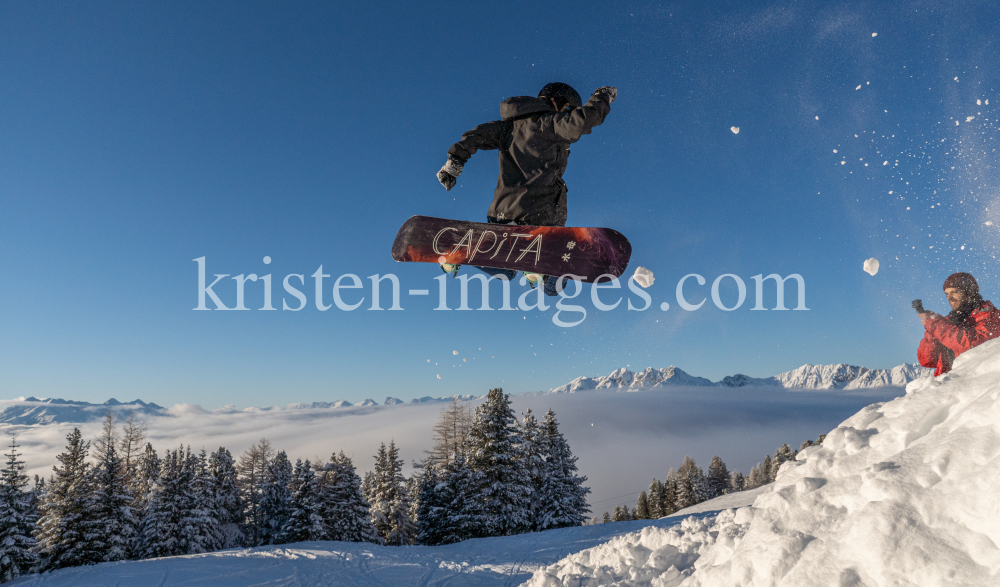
pixel 979 102
pixel 735 129
pixel 871 266
pixel 439 376
pixel 454 352
pixel 969 118
pixel 858 88
pixel 989 223
pixel 874 34
pixel 643 276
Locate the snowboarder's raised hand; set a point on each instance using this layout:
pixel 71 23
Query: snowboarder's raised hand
pixel 448 175
pixel 610 92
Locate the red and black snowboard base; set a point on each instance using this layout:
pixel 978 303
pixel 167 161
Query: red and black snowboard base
pixel 549 250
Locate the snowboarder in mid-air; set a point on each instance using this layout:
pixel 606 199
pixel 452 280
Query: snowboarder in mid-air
pixel 533 137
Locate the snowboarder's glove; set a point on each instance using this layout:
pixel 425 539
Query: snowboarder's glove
pixel 448 175
pixel 609 92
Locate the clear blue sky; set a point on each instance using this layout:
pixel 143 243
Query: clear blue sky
pixel 136 137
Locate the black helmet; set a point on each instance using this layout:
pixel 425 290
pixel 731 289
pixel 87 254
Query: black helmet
pixel 562 93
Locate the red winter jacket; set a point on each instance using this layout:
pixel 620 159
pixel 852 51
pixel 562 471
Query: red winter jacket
pixel 943 341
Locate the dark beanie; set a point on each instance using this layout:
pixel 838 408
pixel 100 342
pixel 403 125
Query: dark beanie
pixel 965 282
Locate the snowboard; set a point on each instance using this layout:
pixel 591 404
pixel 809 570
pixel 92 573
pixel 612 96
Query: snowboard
pixel 550 250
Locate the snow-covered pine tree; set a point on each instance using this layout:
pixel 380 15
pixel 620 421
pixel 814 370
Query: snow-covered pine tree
pixel 533 461
pixel 656 499
pixel 737 481
pixel 160 531
pixel 200 524
pixel 228 504
pixel 305 521
pixel 687 484
pixel 504 487
pixel 252 470
pixel 403 527
pixel 464 510
pixel 432 519
pixel 606 518
pixel 347 514
pixel 276 498
pixel 17 519
pixel 767 469
pixel 642 507
pixel 147 473
pixel 450 433
pixel 668 505
pixel 379 492
pixel 66 524
pixel 389 499
pixel 717 482
pixel 116 528
pixel 561 496
pixel 757 477
pixel 413 490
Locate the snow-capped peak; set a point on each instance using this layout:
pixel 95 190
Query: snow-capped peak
pixel 838 376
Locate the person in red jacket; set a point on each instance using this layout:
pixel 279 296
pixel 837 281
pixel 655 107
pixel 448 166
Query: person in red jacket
pixel 972 322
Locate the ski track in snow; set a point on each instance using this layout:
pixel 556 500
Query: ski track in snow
pixel 481 562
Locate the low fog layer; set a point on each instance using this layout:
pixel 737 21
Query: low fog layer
pixel 623 439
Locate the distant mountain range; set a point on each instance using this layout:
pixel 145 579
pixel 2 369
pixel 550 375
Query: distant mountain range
pixel 28 411
pixel 31 410
pixel 838 376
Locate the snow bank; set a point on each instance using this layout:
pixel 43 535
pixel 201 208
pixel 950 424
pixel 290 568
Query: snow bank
pixel 905 492
pixel 653 557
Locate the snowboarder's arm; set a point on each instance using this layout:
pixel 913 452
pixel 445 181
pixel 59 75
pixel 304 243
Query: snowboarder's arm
pixel 485 136
pixel 580 121
pixel 929 351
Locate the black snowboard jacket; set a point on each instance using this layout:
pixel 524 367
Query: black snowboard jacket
pixel 534 141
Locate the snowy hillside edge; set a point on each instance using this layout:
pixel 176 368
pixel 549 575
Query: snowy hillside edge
pixel 903 493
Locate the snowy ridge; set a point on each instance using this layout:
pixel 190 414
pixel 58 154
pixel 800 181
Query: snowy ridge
pixel 628 380
pixel 31 410
pixel 842 376
pixel 902 493
pixel 838 376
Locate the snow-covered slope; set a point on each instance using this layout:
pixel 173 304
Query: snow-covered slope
pixel 903 493
pixel 838 376
pixel 31 410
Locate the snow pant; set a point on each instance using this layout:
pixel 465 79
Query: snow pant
pixel 550 282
